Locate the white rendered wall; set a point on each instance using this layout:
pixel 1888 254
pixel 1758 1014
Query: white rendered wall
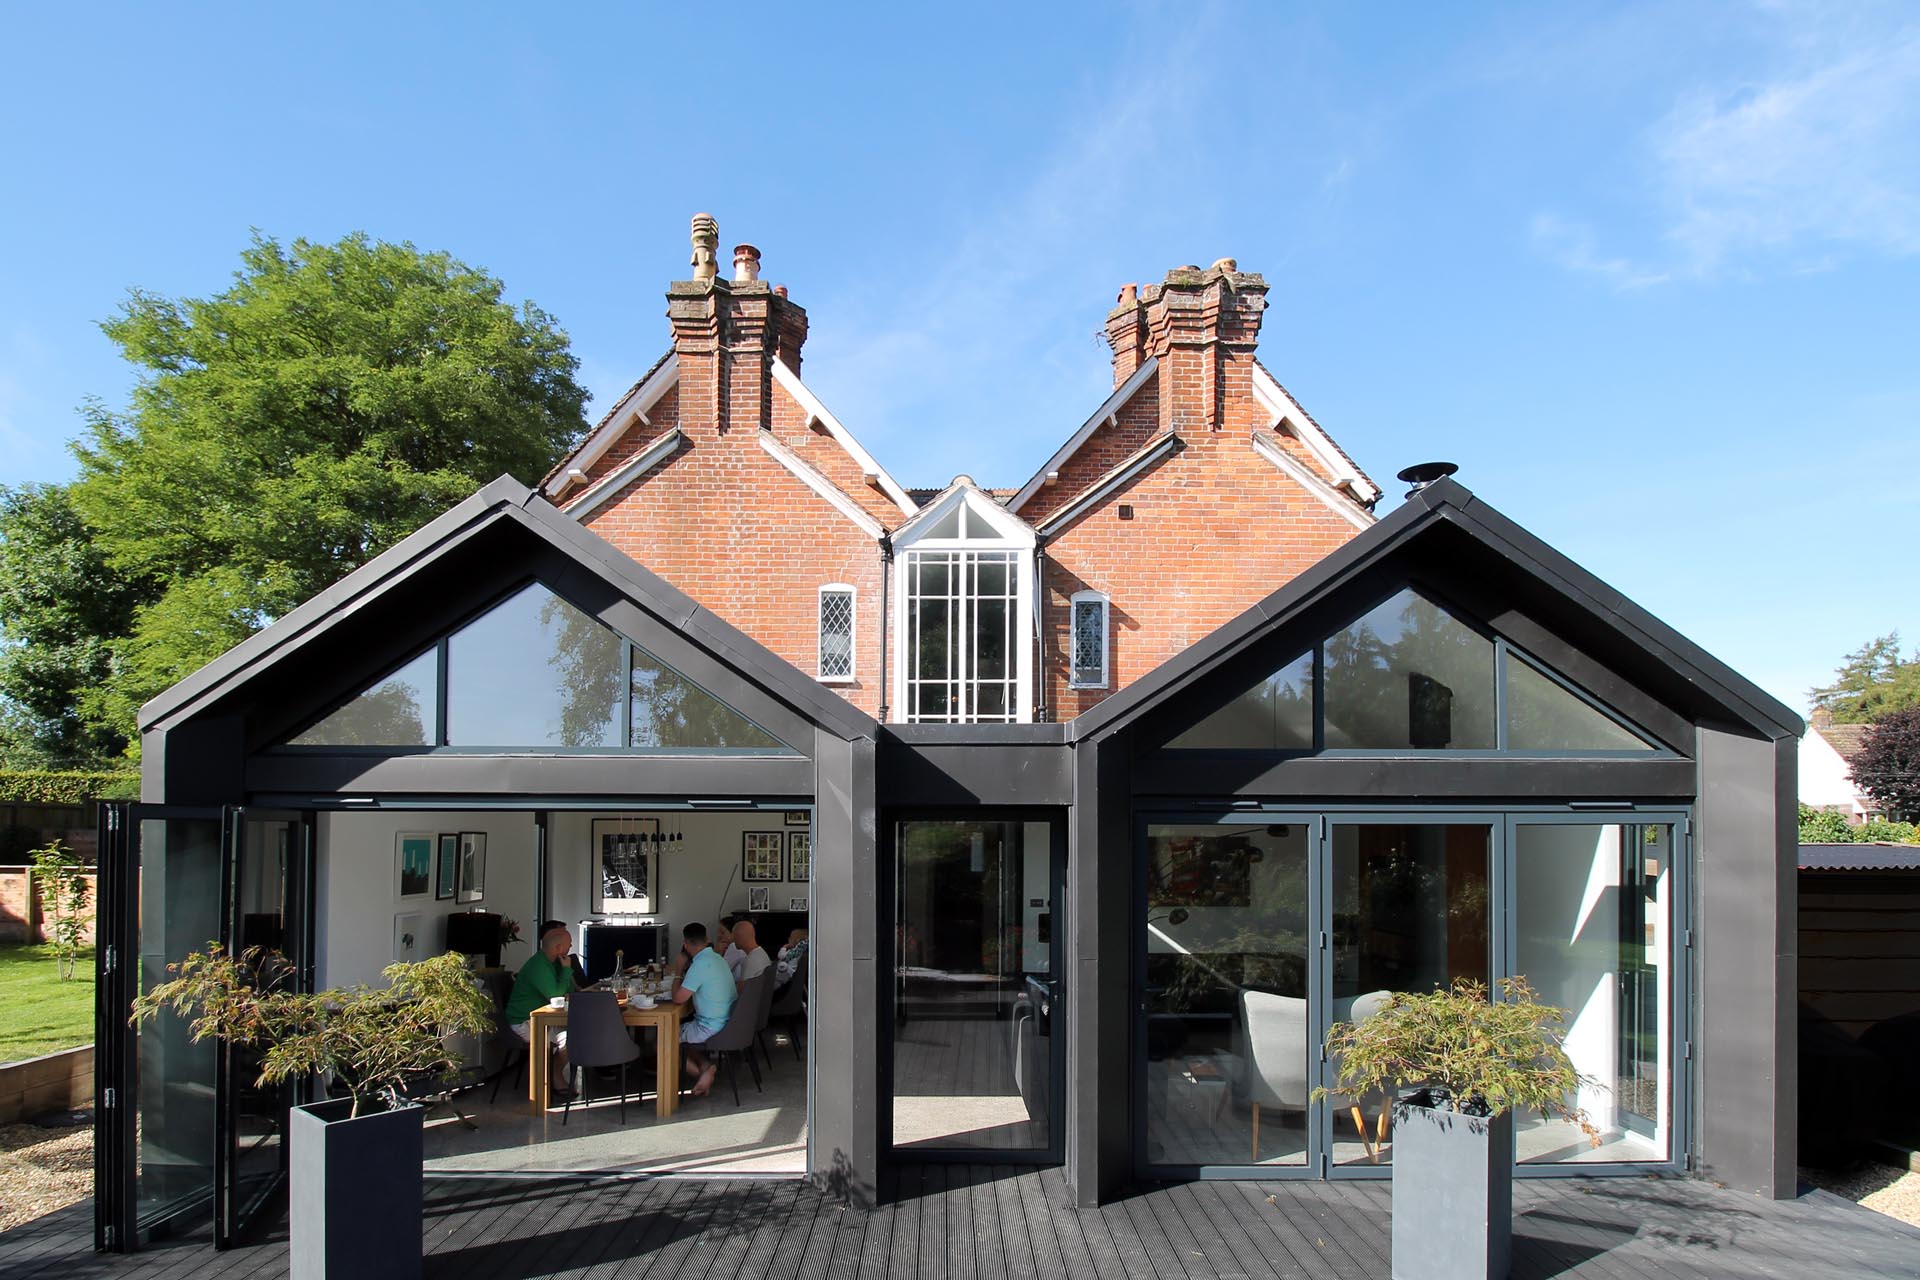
pixel 359 891
pixel 1825 780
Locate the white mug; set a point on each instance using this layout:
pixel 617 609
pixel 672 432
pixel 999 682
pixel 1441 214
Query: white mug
pixel 558 1002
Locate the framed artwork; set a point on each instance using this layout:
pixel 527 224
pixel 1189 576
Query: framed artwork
pixel 413 857
pixel 407 942
pixel 446 872
pixel 799 855
pixel 796 904
pixel 473 866
pixel 626 866
pixel 1200 871
pixel 760 898
pixel 760 855
pixel 798 818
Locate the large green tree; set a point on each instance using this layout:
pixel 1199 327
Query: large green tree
pixel 332 400
pixel 1872 681
pixel 61 608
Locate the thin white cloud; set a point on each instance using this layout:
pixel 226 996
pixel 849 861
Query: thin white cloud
pixel 1793 168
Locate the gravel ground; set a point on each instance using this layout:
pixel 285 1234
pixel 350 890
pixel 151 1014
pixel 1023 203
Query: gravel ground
pixel 42 1170
pixel 1880 1187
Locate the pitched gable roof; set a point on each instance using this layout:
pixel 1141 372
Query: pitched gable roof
pixel 1448 504
pixel 506 502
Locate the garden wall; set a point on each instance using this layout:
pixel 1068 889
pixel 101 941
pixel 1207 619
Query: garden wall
pixel 60 1081
pixel 21 917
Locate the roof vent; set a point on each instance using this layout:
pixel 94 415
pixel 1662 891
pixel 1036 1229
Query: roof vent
pixel 1422 474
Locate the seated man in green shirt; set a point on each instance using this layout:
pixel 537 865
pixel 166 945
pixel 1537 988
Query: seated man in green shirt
pixel 546 974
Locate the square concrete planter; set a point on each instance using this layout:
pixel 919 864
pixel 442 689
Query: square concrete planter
pixel 354 1193
pixel 1452 1193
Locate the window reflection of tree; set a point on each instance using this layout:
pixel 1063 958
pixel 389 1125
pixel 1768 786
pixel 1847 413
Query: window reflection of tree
pixel 387 716
pixel 1368 677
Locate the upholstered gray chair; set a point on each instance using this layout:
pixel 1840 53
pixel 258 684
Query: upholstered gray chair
pixel 743 1024
pixel 1279 1057
pixel 790 1006
pixel 597 1036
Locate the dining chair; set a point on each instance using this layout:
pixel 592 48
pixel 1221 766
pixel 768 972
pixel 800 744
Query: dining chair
pixel 790 1005
pixel 736 1038
pixel 597 1037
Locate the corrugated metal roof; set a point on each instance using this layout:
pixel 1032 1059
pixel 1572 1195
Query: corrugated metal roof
pixel 1860 857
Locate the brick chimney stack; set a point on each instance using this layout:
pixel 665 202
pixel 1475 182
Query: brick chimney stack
pixel 1204 327
pixel 1127 333
pixel 727 333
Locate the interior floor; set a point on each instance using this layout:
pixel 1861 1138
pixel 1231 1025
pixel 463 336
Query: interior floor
pixel 764 1133
pixel 970 1082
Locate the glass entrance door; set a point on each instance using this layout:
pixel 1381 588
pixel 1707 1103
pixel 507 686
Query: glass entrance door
pixel 177 1138
pixel 976 949
pixel 268 897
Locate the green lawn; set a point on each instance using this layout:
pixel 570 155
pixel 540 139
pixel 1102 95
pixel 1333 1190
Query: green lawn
pixel 38 1012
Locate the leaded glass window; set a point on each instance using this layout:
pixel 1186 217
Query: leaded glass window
pixel 836 633
pixel 1089 627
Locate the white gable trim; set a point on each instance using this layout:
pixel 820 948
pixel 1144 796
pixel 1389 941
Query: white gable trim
pixel 818 412
pixel 1106 412
pixel 821 485
pixel 632 408
pixel 1359 517
pixel 1152 453
pixel 639 464
pixel 1288 413
pixel 1009 530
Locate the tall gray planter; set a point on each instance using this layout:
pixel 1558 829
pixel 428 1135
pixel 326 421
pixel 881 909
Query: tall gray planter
pixel 354 1193
pixel 1452 1193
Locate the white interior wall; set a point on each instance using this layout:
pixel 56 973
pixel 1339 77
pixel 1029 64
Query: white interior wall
pixel 359 887
pixel 698 881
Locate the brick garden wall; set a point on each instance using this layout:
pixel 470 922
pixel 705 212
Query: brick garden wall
pixel 21 916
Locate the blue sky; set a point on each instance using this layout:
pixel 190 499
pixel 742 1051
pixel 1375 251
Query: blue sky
pixel 1649 273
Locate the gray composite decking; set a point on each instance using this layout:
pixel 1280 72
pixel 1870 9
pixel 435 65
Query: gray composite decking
pixel 951 1221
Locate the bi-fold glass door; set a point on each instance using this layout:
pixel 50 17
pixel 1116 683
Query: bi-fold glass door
pixel 183 1133
pixel 1258 931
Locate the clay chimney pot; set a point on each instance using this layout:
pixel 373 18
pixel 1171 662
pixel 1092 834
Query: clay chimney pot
pixel 746 262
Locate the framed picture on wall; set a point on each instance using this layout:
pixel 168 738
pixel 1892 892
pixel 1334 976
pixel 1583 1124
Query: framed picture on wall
pixel 408 944
pixel 760 856
pixel 760 898
pixel 473 866
pixel 413 857
pixel 799 855
pixel 446 872
pixel 796 904
pixel 797 818
pixel 626 866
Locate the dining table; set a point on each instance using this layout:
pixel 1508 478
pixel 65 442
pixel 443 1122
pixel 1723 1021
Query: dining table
pixel 663 1016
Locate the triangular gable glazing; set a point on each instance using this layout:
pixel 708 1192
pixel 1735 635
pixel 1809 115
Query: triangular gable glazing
pixel 1408 675
pixel 535 672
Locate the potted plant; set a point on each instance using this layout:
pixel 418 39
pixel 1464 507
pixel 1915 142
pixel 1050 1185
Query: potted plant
pixel 355 1192
pixel 1466 1063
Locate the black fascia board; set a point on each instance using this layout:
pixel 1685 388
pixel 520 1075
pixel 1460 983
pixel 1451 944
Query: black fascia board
pixel 1449 502
pixel 504 500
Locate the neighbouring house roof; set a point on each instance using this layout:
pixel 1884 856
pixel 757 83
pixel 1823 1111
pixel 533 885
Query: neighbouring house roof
pixel 1708 687
pixel 504 502
pixel 1860 857
pixel 1847 739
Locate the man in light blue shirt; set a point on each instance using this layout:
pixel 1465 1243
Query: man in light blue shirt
pixel 708 984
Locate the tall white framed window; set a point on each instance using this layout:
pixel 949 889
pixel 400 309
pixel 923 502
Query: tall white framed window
pixel 964 612
pixel 1087 640
pixel 836 633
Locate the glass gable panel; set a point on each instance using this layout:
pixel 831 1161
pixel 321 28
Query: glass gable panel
pixel 534 672
pixel 671 711
pixel 1274 715
pixel 1409 676
pixel 1542 716
pixel 397 711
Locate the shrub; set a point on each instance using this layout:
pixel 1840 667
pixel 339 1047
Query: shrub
pixel 1475 1055
pixel 375 1042
pixel 63 896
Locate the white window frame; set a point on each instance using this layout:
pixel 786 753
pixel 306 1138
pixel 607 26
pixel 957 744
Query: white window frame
pixel 1075 678
pixel 853 632
pixel 984 527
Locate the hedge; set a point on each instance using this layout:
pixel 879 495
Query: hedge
pixel 66 787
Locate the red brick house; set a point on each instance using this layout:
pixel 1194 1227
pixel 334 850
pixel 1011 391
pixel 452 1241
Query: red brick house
pixel 1188 494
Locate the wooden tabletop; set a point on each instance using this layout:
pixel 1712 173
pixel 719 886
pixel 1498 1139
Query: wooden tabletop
pixel 664 1017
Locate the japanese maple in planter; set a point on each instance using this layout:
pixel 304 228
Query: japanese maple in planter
pixel 354 1162
pixel 1465 1063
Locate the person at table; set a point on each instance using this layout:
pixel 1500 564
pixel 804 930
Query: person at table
pixel 727 946
pixel 545 975
pixel 580 982
pixel 754 959
pixel 790 956
pixel 708 989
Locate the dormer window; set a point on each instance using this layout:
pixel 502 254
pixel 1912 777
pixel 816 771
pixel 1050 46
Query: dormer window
pixel 965 569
